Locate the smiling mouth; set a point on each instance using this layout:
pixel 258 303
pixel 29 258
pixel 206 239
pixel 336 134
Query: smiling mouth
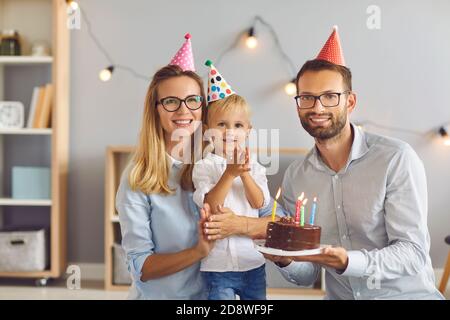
pixel 319 120
pixel 182 122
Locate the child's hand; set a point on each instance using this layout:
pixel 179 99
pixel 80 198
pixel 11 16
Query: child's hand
pixel 239 163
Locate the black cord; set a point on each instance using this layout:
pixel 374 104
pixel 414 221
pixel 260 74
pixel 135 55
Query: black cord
pixel 274 35
pixel 105 52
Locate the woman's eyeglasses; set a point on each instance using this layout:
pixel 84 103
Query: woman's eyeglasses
pixel 172 104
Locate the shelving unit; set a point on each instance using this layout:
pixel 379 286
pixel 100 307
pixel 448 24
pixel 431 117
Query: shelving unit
pixel 37 20
pixel 24 60
pixel 117 158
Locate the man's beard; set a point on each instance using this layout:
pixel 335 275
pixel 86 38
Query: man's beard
pixel 337 124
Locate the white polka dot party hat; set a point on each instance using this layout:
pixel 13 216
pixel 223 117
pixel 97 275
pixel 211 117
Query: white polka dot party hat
pixel 184 57
pixel 332 50
pixel 218 88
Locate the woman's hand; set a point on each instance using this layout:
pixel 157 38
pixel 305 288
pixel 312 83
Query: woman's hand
pixel 204 246
pixel 224 224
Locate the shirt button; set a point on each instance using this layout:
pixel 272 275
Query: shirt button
pixel 344 237
pixel 336 176
pixel 338 207
pixel 358 294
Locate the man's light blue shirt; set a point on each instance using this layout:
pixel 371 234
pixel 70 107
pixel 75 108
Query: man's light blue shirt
pixel 375 208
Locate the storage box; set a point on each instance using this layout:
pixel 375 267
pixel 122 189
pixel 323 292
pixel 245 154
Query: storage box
pixel 22 251
pixel 31 183
pixel 121 275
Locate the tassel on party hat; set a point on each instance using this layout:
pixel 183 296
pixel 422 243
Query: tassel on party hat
pixel 218 88
pixel 184 57
pixel 332 50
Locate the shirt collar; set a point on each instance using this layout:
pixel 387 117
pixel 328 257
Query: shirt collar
pixel 174 162
pixel 358 150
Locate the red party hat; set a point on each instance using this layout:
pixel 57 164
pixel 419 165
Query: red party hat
pixel 332 50
pixel 184 57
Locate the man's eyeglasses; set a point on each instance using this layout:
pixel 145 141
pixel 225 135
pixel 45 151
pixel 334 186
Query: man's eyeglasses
pixel 328 100
pixel 172 104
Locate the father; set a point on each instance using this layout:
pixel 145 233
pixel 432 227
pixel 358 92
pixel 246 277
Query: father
pixel 372 195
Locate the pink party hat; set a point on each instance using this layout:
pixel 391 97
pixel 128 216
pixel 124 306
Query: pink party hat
pixel 184 57
pixel 332 50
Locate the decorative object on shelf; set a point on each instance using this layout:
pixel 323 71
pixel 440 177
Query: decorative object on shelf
pixel 40 113
pixel 23 250
pixel 31 183
pixel 11 114
pixel 10 43
pixel 40 49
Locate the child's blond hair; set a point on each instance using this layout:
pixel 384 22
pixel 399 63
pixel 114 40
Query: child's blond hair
pixel 229 104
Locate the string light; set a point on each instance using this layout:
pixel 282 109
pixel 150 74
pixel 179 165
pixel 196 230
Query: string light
pixel 251 40
pixel 291 88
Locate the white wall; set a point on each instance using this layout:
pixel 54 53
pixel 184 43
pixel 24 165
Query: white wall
pixel 401 75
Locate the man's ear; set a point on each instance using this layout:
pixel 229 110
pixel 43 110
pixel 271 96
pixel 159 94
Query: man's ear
pixel 351 102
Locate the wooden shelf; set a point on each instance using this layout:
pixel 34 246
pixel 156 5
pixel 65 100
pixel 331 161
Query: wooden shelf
pixel 28 274
pixel 18 60
pixel 26 131
pixel 25 202
pixel 44 20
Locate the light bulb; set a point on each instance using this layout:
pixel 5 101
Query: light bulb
pixel 444 134
pixel 290 88
pixel 106 74
pixel 447 142
pixel 73 5
pixel 251 40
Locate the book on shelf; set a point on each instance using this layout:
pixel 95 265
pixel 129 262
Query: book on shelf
pixel 41 107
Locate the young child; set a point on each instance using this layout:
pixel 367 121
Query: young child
pixel 228 176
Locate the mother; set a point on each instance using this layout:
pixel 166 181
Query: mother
pixel 160 224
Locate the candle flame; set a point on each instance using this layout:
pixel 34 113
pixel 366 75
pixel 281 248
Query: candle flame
pixel 278 194
pixel 315 199
pixel 301 196
pixel 305 201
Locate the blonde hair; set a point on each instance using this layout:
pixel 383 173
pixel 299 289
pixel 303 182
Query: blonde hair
pixel 150 164
pixel 231 103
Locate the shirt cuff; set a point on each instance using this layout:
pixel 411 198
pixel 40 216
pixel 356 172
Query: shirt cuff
pixel 287 270
pixel 136 264
pixel 357 264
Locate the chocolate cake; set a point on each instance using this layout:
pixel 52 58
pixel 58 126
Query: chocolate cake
pixel 287 235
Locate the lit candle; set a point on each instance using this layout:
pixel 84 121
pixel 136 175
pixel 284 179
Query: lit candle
pixel 297 208
pixel 313 211
pixel 274 209
pixel 302 213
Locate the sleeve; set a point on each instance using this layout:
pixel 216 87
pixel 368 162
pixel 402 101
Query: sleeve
pixel 134 215
pixel 259 175
pixel 406 224
pixel 267 210
pixel 300 273
pixel 202 180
